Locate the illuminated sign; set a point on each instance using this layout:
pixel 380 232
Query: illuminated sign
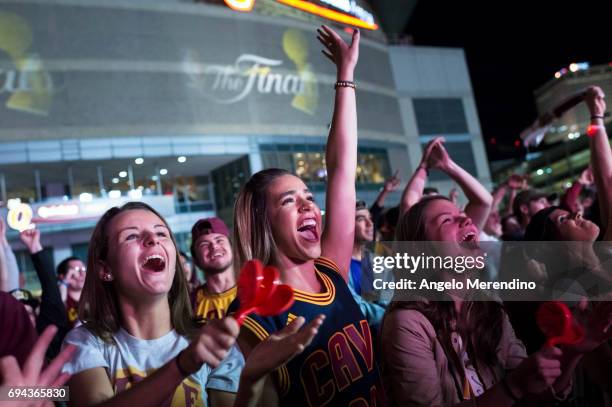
pixel 352 13
pixel 19 217
pixel 351 7
pixel 250 73
pixel 58 211
pixel 240 5
pixel 348 6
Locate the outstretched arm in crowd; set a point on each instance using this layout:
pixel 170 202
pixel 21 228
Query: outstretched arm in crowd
pixel 9 279
pixel 415 186
pixel 3 272
pixel 341 152
pixel 601 156
pixel 479 199
pixel 569 199
pixel 390 185
pixel 513 183
pixel 52 310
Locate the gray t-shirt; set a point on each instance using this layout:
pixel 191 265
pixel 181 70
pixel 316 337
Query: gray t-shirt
pixel 129 360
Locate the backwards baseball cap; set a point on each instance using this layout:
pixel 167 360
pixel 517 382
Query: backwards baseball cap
pixel 25 297
pixel 208 225
pixel 524 197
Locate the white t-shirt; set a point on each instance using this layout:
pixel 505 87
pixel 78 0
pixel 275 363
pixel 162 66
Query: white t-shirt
pixel 129 360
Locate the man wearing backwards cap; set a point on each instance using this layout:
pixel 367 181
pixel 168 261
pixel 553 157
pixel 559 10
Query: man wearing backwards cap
pixel 212 252
pixel 527 203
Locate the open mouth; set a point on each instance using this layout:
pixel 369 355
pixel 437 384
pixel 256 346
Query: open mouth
pixel 308 230
pixel 469 241
pixel 216 255
pixel 154 263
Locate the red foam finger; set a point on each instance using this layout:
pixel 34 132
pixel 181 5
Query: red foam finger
pixel 281 300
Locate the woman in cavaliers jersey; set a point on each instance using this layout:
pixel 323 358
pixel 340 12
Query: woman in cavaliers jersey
pixel 277 221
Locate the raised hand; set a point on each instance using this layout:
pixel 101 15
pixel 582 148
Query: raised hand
pixel 343 55
pixel 211 346
pixel 280 348
pixel 438 157
pixel 586 177
pixel 32 373
pixel 595 100
pixel 392 182
pixel 427 151
pixel 31 239
pixel 3 232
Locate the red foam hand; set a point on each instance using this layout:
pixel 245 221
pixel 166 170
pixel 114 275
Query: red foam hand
pixel 557 322
pixel 260 291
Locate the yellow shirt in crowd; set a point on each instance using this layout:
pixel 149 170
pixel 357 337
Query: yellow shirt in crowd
pixel 213 306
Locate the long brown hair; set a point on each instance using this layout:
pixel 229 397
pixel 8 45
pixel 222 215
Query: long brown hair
pixel 99 305
pixel 253 237
pixel 480 322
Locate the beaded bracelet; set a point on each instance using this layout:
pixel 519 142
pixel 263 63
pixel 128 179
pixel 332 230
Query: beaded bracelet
pixel 345 84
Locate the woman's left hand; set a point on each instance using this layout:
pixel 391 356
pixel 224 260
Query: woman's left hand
pixel 279 348
pixel 343 55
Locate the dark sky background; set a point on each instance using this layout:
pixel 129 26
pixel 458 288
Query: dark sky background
pixel 512 48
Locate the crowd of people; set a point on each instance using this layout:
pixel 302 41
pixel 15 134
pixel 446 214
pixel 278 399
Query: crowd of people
pixel 134 325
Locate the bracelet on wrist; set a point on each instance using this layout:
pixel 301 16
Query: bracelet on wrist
pixel 508 390
pixel 345 84
pixel 597 117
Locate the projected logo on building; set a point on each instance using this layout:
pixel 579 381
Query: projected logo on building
pixel 251 73
pixel 22 75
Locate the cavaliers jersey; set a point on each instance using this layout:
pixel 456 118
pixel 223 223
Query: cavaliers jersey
pixel 209 306
pixel 72 310
pixel 338 367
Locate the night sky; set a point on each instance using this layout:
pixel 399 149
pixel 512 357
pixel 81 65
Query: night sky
pixel 513 48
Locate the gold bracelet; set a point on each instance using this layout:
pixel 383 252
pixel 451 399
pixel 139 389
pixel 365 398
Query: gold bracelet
pixel 345 84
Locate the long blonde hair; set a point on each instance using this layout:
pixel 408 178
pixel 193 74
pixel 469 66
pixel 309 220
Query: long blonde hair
pixel 253 237
pixel 99 305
